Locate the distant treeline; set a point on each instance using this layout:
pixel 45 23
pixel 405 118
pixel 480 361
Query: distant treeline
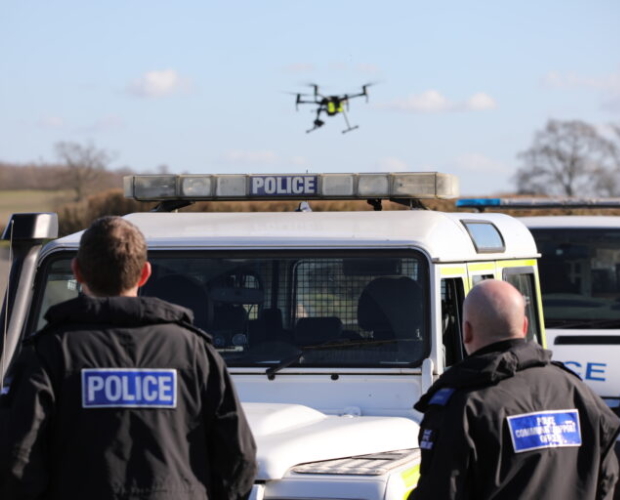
pixel 51 177
pixel 78 215
pixel 99 192
pixel 75 216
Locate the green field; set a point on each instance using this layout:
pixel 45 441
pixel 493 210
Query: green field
pixel 30 201
pixel 25 201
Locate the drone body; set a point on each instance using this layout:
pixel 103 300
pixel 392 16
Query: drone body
pixel 331 105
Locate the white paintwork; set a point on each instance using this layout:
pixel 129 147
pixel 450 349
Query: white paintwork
pixel 572 221
pixel 288 435
pixel 375 392
pixel 441 235
pixel 598 365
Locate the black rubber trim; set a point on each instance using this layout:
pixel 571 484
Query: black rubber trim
pixel 587 340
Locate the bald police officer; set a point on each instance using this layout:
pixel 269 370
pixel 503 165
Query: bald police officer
pixel 507 422
pixel 120 397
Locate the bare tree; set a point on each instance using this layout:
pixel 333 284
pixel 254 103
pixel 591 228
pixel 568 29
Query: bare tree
pixel 615 130
pixel 85 166
pixel 609 182
pixel 569 158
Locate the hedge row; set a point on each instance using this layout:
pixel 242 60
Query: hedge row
pixel 76 216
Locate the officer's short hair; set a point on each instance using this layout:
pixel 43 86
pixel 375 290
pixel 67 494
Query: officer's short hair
pixel 111 256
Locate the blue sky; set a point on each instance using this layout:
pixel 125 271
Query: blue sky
pixel 200 86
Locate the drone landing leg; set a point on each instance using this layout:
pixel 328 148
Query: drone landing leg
pixel 346 120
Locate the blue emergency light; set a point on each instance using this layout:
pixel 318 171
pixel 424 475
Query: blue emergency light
pixel 481 204
pixel 478 202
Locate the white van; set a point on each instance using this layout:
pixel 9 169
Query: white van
pixel 333 324
pixel 580 281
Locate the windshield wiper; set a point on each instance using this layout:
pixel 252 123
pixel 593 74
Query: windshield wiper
pixel 285 362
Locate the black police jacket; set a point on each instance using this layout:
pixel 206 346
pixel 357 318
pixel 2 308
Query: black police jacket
pixel 122 398
pixel 507 423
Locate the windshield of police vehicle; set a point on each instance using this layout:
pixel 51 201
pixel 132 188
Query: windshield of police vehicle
pixel 580 277
pixel 316 309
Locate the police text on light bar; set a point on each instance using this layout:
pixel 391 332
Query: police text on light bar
pixel 265 185
pixel 406 185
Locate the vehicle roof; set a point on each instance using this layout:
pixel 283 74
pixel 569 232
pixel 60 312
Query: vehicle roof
pixel 441 235
pixel 572 221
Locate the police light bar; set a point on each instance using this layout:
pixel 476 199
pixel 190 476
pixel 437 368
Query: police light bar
pixel 532 203
pixel 291 186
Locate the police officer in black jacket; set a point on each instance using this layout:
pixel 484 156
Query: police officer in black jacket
pixel 120 397
pixel 508 423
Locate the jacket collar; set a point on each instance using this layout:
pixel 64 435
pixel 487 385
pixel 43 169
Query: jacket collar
pixel 489 366
pixel 121 311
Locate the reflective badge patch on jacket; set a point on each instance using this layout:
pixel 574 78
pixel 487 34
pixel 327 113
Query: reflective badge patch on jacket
pixel 428 437
pixel 546 429
pixel 442 396
pixel 129 388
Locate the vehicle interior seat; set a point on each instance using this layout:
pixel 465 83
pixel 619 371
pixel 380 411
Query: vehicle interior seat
pixel 182 290
pixel 392 309
pixel 229 318
pixel 267 327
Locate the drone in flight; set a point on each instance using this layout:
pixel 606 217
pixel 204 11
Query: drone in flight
pixel 331 105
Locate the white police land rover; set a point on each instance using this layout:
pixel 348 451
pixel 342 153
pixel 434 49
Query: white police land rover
pixel 332 324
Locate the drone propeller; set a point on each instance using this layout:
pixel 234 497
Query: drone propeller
pixel 315 87
pixel 298 96
pixel 295 93
pixel 365 88
pixel 371 84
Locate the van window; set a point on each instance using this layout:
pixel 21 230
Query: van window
pixel 485 236
pixel 479 278
pixel 523 280
pixel 452 293
pixel 580 277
